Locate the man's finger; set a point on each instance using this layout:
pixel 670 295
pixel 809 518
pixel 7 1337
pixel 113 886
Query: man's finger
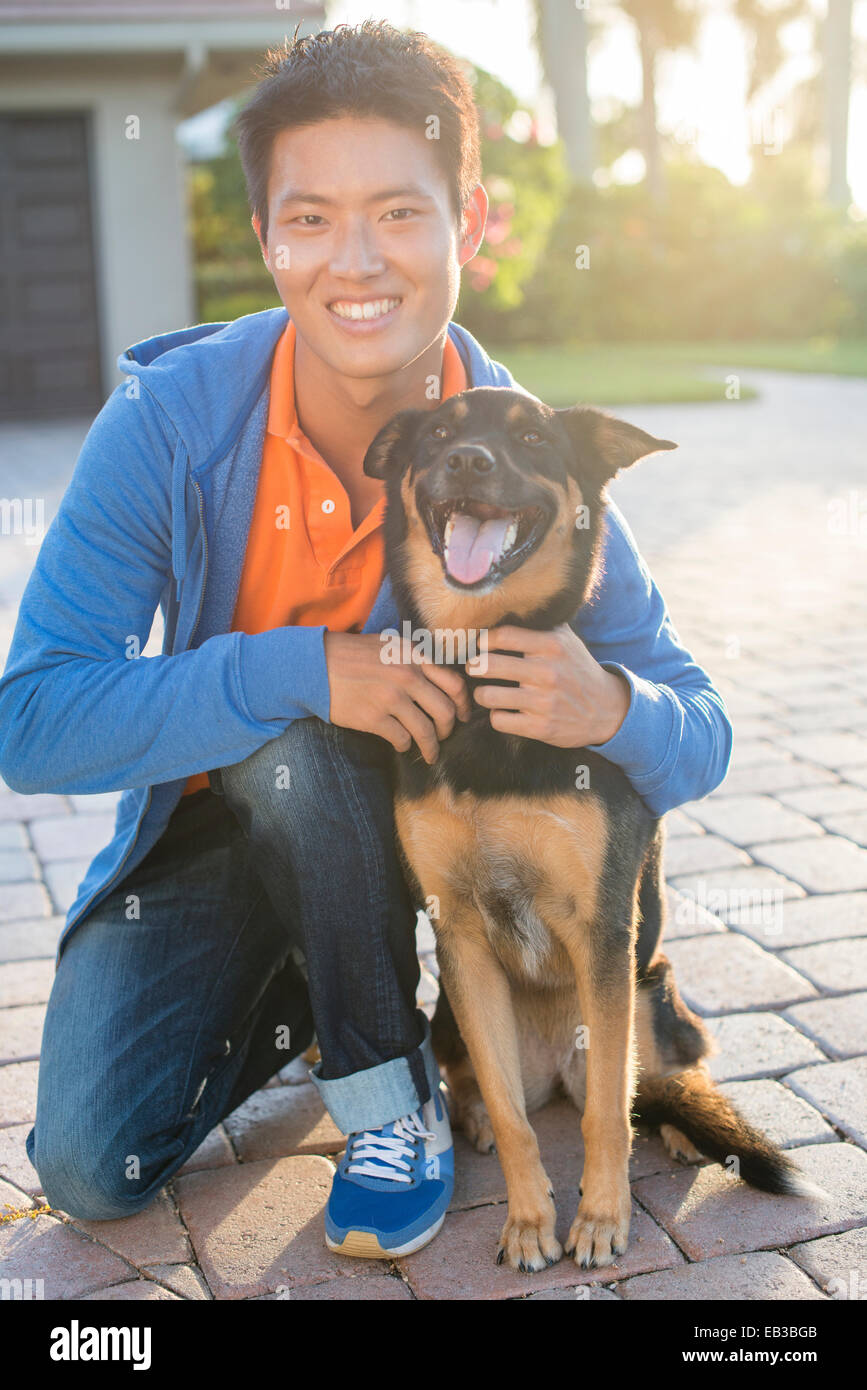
pixel 452 684
pixel 522 697
pixel 420 727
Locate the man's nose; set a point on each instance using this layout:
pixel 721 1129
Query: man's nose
pixel 469 459
pixel 357 252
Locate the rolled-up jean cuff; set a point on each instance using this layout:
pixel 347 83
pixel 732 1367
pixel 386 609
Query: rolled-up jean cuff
pixel 375 1097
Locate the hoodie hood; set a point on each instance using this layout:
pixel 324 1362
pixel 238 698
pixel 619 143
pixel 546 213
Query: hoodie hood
pixel 208 378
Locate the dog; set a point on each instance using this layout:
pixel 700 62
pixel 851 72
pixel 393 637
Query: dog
pixel 549 896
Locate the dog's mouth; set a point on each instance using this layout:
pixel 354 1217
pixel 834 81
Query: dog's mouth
pixel 479 542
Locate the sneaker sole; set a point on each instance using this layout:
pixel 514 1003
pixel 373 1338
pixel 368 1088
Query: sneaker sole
pixel 365 1245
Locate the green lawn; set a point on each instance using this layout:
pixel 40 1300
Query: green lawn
pixel 626 373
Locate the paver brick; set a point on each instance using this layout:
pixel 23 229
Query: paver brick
pixel 18 866
pixel 747 889
pixel 839 1025
pixel 709 1213
pixel 63 879
pixel 837 1263
pixel 21 1032
pixel 851 824
pixel 833 965
pixel 285 1120
pixel 152 1236
pixel 756 1045
pixel 839 1090
pixel 677 825
pixel 696 854
pixel 745 820
pixel 807 921
pixel 367 1287
pixel 24 900
pixel 30 939
pixel 68 1262
pixel 460 1263
pixel 256 1227
pixel 823 865
pixel 70 837
pixel 726 973
pixel 140 1290
pixel 25 982
pixel 18 1082
pixel 183 1279
pixel 774 777
pixel 14 806
pixel 12 835
pixel 215 1151
pixel 15 1166
pixel 825 801
pixel 745 1278
pixel 833 750
pixel 786 1118
pixel 686 917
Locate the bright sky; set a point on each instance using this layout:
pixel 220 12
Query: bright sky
pixel 699 98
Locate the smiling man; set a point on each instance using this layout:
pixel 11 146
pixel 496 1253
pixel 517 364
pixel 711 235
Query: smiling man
pixel 251 893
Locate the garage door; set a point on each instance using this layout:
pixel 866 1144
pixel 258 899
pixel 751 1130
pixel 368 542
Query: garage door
pixel 49 345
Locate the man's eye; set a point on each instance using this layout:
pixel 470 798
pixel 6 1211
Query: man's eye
pixel 309 218
pixel 395 213
pixel 440 432
pixel 532 437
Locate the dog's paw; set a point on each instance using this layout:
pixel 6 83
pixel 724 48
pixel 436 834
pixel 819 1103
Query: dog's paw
pixel 528 1244
pixel 678 1145
pixel 475 1122
pixel 597 1240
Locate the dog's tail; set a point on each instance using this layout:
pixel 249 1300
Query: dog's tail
pixel 691 1103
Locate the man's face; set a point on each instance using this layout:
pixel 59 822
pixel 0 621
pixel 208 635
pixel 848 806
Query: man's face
pixel 359 214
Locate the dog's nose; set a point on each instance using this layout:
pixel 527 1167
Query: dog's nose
pixel 473 458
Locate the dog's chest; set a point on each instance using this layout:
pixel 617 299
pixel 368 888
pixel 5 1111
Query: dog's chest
pixel 524 873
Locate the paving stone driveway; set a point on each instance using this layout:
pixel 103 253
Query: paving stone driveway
pixel 756 531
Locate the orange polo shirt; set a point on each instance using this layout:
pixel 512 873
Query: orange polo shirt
pixel 304 565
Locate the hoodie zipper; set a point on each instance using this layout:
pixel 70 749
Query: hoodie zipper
pixel 201 506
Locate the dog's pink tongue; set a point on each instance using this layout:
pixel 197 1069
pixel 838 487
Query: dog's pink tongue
pixel 474 545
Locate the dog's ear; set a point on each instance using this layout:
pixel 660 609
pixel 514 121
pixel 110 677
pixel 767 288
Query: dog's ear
pixel 604 445
pixel 388 450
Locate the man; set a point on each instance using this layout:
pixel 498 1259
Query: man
pixel 223 480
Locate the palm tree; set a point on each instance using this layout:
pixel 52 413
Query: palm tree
pixel 561 40
pixel 662 25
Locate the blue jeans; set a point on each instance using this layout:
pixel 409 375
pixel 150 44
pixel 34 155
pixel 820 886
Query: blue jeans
pixel 272 910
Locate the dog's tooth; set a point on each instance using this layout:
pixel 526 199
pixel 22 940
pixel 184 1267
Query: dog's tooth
pixel 447 534
pixel 511 535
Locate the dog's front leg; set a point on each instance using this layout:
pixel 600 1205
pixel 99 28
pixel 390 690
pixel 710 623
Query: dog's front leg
pixel 478 990
pixel 603 961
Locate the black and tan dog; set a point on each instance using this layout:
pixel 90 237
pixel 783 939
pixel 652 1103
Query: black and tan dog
pixel 550 898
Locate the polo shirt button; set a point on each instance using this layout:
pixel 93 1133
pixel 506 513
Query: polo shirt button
pixel 328 506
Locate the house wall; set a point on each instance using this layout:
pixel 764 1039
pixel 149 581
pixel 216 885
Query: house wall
pixel 143 259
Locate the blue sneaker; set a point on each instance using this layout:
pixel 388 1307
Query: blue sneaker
pixel 393 1186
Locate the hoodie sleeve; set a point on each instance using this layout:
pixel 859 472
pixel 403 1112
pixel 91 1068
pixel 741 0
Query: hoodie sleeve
pixel 676 740
pixel 79 711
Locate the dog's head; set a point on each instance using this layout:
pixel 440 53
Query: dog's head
pixel 495 505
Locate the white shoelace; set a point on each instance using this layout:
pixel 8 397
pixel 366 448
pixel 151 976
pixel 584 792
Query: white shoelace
pixel 389 1151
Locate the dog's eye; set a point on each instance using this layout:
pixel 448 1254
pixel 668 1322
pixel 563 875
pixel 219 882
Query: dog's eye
pixel 440 432
pixel 532 437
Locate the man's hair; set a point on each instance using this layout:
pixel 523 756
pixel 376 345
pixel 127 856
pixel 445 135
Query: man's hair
pixel 370 71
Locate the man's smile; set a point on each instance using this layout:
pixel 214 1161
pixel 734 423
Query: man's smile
pixel 363 315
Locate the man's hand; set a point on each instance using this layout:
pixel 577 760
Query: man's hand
pixel 399 702
pixel 564 698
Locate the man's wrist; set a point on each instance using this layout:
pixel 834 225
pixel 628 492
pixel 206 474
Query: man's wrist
pixel 619 699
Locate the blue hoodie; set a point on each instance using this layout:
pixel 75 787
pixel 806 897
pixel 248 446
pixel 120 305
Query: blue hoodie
pixel 157 513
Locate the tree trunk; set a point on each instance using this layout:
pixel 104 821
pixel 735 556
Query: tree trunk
pixel 837 76
pixel 563 32
pixel 649 132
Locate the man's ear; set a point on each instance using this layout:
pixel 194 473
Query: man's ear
pixel 389 448
pixel 604 445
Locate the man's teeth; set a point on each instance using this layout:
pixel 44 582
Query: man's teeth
pixel 371 309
